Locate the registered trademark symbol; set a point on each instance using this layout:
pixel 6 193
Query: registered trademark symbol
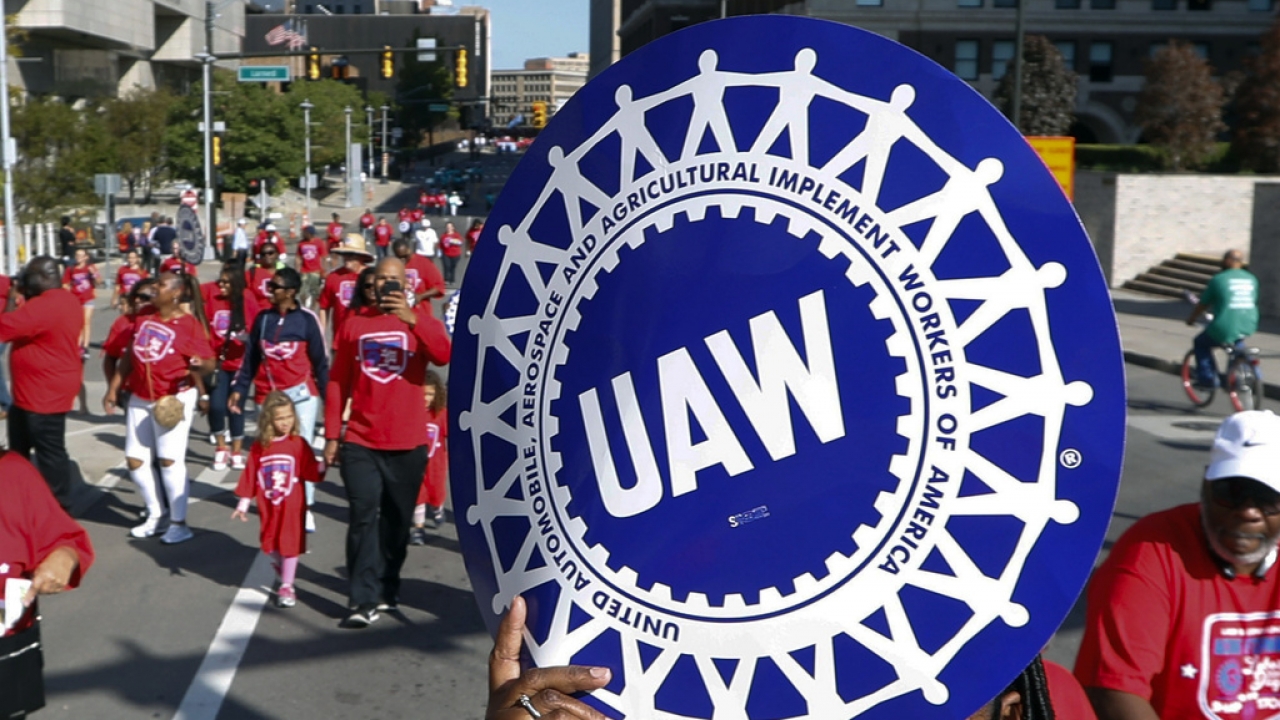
pixel 1070 458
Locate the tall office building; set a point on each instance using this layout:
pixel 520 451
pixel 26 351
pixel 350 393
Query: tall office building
pixel 549 80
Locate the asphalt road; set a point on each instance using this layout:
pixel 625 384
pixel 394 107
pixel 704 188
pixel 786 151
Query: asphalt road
pixel 188 630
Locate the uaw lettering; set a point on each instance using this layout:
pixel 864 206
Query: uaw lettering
pixel 759 381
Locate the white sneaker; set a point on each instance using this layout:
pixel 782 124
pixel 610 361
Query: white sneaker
pixel 311 522
pixel 177 532
pixel 237 461
pixel 220 459
pixel 146 529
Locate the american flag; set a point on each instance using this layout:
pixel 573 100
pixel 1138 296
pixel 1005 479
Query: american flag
pixel 285 32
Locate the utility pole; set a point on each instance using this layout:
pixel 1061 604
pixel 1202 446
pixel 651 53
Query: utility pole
pixel 1017 66
pixel 368 111
pixel 306 179
pixel 385 158
pixel 207 72
pixel 10 149
pixel 351 172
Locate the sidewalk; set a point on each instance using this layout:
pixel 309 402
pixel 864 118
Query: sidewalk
pixel 1154 334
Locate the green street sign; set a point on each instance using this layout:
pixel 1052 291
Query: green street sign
pixel 438 107
pixel 263 73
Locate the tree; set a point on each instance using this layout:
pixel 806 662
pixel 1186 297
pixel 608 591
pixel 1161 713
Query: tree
pixel 421 85
pixel 1257 103
pixel 59 151
pixel 1180 107
pixel 1048 90
pixel 136 126
pixel 328 118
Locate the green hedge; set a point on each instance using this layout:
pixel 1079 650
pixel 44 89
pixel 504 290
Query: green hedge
pixel 1144 159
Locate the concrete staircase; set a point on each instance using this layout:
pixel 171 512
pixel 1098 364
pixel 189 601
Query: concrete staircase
pixel 1171 278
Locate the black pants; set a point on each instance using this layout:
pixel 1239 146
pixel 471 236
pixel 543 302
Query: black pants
pixel 47 435
pixel 21 673
pixel 382 487
pixel 450 267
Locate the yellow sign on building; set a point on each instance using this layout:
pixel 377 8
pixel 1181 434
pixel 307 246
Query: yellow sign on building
pixel 1059 154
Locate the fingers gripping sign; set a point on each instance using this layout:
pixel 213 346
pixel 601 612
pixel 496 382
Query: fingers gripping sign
pixel 548 691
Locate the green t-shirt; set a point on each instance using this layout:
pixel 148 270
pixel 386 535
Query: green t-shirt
pixel 1232 297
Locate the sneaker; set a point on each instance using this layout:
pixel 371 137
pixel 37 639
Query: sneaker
pixel 390 603
pixel 286 598
pixel 147 529
pixel 177 532
pixel 418 536
pixel 437 516
pixel 237 461
pixel 311 522
pixel 361 617
pixel 220 459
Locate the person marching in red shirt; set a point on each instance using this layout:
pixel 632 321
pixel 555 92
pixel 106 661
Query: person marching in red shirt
pixel 230 312
pixel 279 462
pixel 380 363
pixel 473 234
pixel 39 542
pixel 451 248
pixel 334 232
pixel 340 285
pixel 415 216
pixel 82 280
pixel 268 235
pixel 127 276
pixel 258 278
pixel 47 369
pixel 431 493
pixel 423 278
pixel 423 198
pixel 382 233
pixel 165 354
pixel 175 264
pixel 311 256
pixel 366 225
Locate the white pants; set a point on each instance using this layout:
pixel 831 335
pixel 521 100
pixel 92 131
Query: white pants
pixel 143 437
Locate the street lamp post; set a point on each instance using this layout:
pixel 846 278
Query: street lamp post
pixel 306 179
pixel 10 146
pixel 385 158
pixel 368 111
pixel 351 172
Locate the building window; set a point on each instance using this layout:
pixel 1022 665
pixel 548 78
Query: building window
pixel 1164 4
pixel 1067 4
pixel 969 3
pixel 1068 50
pixel 1202 5
pixel 870 3
pixel 1261 5
pixel 967 59
pixel 1156 47
pixel 1102 4
pixel 1004 3
pixel 1001 58
pixel 1100 62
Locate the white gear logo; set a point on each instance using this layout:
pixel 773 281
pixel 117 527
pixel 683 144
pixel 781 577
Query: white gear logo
pixel 781 620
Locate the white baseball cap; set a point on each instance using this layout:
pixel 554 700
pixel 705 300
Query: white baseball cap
pixel 1247 445
pixel 241 221
pixel 270 227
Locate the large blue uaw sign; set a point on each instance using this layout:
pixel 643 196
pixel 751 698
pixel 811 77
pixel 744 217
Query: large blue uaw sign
pixel 785 384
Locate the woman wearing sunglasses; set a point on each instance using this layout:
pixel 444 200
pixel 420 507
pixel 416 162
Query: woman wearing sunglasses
pixel 231 312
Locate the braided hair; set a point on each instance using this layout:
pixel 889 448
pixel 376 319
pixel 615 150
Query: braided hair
pixel 1033 687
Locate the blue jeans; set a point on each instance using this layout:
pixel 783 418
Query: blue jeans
pixel 6 400
pixel 1206 370
pixel 218 413
pixel 306 412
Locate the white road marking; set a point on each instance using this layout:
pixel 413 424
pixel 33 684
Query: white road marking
pixel 218 669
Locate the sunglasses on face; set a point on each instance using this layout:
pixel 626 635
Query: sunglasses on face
pixel 146 298
pixel 267 252
pixel 278 286
pixel 1234 493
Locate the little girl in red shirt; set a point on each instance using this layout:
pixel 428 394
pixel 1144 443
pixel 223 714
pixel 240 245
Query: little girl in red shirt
pixel 278 463
pixel 431 494
pixel 82 280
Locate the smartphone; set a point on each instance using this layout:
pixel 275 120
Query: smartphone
pixel 388 287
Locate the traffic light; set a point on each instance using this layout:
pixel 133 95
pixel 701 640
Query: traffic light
pixel 388 64
pixel 539 114
pixel 217 151
pixel 460 68
pixel 313 65
pixel 339 67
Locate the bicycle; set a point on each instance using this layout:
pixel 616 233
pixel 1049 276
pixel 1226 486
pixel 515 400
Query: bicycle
pixel 1242 380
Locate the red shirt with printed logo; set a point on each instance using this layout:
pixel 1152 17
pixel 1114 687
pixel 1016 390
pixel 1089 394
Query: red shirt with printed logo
pixel 382 235
pixel 339 288
pixel 45 353
pixel 274 476
pixel 161 353
pixel 311 252
pixel 431 492
pixel 82 282
pixel 334 231
pixel 217 308
pixel 422 275
pixel 283 351
pixel 366 221
pixel 256 280
pixel 127 277
pixel 1164 623
pixel 380 364
pixel 177 265
pixel 451 244
pixel 32 526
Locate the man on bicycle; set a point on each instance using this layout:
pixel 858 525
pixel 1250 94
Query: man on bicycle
pixel 1232 297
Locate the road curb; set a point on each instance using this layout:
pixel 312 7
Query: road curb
pixel 1174 367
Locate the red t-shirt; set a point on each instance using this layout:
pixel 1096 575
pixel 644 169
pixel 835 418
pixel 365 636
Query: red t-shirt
pixel 273 476
pixel 339 288
pixel 380 364
pixel 32 526
pixel 1065 694
pixel 161 353
pixel 382 235
pixel 263 238
pixel 403 214
pixel 335 233
pixel 256 280
pixel 311 252
pixel 1164 623
pixel 421 275
pixel 451 242
pixel 82 282
pixel 5 285
pixel 127 277
pixel 217 308
pixel 119 326
pixel 45 353
pixel 366 220
pixel 177 265
pixel 416 215
pixel 473 236
pixel 423 198
pixel 433 480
